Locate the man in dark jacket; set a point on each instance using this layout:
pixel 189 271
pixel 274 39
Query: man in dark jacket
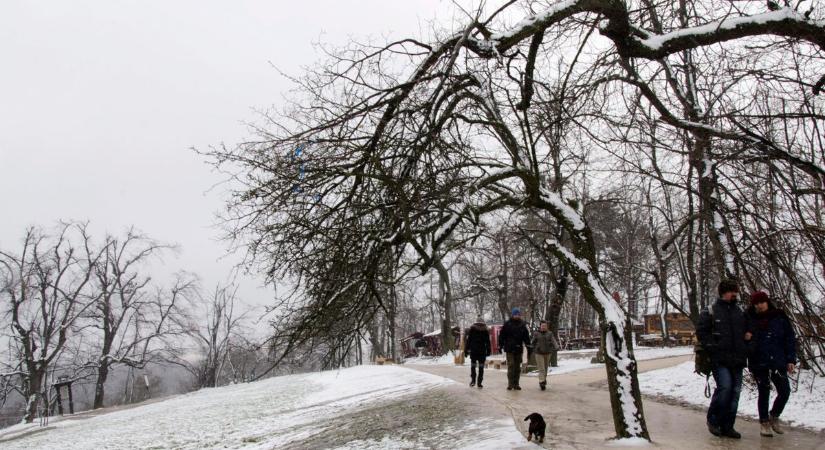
pixel 771 357
pixel 721 330
pixel 477 348
pixel 513 338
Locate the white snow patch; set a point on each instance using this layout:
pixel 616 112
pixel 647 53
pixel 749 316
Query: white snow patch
pixel 656 42
pixel 530 21
pixel 443 360
pixel 681 383
pixel 629 442
pixel 261 415
pixel 570 214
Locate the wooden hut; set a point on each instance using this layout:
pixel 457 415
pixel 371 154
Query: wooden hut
pixel 680 329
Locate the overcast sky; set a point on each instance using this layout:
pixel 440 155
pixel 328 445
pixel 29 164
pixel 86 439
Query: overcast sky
pixel 102 101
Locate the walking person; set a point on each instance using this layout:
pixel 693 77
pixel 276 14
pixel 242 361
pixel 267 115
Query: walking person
pixel 477 348
pixel 543 344
pixel 771 358
pixel 721 330
pixel 514 337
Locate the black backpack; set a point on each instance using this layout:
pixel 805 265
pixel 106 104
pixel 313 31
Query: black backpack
pixel 703 364
pixel 702 361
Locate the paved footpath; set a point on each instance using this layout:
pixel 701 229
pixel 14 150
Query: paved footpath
pixel 577 410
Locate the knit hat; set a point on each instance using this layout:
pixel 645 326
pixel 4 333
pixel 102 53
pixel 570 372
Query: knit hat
pixel 758 297
pixel 516 312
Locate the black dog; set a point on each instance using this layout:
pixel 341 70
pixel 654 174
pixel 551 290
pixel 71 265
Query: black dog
pixel 537 427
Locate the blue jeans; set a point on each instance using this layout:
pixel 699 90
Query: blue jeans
pixel 764 377
pixel 725 400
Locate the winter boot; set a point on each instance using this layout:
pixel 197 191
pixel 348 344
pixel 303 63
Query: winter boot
pixel 543 385
pixel 765 429
pixel 776 426
pixel 479 385
pixel 472 383
pixel 731 433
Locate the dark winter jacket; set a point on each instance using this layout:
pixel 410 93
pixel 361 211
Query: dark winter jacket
pixel 514 336
pixel 544 342
pixel 773 344
pixel 478 341
pixel 723 335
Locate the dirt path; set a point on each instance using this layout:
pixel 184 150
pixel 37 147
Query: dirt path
pixel 577 410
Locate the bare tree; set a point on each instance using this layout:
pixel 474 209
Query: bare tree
pixel 45 288
pixel 428 138
pixel 214 333
pixel 128 315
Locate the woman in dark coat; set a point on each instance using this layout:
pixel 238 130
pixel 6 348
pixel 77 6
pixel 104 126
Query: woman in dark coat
pixel 478 349
pixel 771 357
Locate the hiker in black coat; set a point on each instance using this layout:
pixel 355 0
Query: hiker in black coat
pixel 513 338
pixel 478 349
pixel 722 332
pixel 771 358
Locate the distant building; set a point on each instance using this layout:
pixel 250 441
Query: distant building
pixel 680 329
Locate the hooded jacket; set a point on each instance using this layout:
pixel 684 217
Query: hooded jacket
pixel 773 344
pixel 478 341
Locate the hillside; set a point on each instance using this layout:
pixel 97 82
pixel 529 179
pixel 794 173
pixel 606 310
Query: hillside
pixel 357 408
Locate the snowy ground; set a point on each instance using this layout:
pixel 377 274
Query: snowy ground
pixel 805 407
pixel 366 407
pixel 573 360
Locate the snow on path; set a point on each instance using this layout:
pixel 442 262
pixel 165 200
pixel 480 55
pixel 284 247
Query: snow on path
pixel 805 408
pixel 272 413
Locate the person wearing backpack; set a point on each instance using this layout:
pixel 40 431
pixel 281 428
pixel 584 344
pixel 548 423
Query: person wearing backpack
pixel 721 331
pixel 771 358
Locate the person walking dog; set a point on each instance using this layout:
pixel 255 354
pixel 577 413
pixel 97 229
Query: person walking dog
pixel 771 358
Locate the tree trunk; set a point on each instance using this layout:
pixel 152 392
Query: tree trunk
pixel 709 207
pixel 33 387
pixel 446 297
pixel 391 318
pixel 105 362
pixel 622 380
pixel 375 344
pixel 554 311
pixel 102 375
pixel 616 345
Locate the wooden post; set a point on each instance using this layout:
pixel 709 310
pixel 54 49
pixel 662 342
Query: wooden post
pixel 459 358
pixel 59 401
pixel 71 402
pixel 64 381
